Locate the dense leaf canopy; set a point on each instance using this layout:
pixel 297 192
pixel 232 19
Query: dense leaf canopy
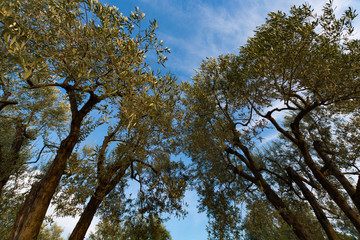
pixel 299 77
pixel 75 71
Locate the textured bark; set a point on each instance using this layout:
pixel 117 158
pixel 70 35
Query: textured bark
pixel 298 139
pixel 332 190
pixel 101 192
pixel 4 100
pixel 335 171
pixel 108 177
pixel 86 218
pixel 288 216
pixel 2 184
pixel 320 215
pixel 30 217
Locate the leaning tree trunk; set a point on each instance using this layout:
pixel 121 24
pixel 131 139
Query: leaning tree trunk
pixel 88 214
pixel 335 171
pixel 298 139
pixel 29 219
pixel 86 218
pixel 333 192
pixel 288 216
pixel 320 215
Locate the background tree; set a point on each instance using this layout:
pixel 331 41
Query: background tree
pixel 52 232
pixel 134 228
pixel 262 221
pixel 90 54
pixel 298 65
pixel 13 196
pixel 26 114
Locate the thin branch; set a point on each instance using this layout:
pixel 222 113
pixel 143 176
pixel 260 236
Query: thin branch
pixel 273 121
pixel 145 164
pixel 41 151
pixel 236 153
pixel 275 174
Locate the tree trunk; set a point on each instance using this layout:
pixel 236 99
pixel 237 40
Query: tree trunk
pixel 4 100
pixel 2 184
pixel 101 192
pixel 320 215
pixel 29 219
pixel 335 171
pixel 329 187
pixel 332 190
pixel 288 216
pixel 86 218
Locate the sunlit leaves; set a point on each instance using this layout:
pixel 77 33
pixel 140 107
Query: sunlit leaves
pixel 298 66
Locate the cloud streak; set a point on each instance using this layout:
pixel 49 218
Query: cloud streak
pixel 198 29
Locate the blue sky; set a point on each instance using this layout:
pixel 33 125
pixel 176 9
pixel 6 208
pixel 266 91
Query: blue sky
pixel 194 30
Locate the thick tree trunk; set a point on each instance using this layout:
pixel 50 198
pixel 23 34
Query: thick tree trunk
pixel 288 216
pixel 112 179
pixel 335 171
pixel 298 140
pixel 320 215
pixel 86 218
pixel 32 214
pixel 30 217
pixel 329 187
pixel 2 185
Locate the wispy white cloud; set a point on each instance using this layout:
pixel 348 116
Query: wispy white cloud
pixel 272 135
pixel 206 29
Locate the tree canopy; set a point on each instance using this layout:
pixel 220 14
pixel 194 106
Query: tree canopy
pixel 299 76
pixel 71 68
pixel 150 228
pixel 75 71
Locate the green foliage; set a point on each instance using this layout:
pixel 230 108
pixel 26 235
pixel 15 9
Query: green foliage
pixel 52 232
pixel 77 66
pixel 298 76
pixel 262 221
pixel 12 198
pixel 136 228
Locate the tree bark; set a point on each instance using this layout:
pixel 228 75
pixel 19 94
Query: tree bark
pixel 328 186
pixel 32 213
pixel 320 215
pixel 298 140
pixel 2 184
pixel 86 218
pixel 29 219
pixel 288 216
pixel 335 171
pixel 101 192
pixel 4 100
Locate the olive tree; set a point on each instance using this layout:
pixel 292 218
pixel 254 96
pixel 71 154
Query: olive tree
pixel 92 57
pixel 299 76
